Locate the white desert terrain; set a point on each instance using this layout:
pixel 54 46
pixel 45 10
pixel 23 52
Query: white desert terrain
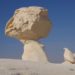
pixel 19 67
pixel 28 25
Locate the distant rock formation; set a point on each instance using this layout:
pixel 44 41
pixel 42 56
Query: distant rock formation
pixel 30 23
pixel 69 56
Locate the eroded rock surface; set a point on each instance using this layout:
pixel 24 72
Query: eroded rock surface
pixel 29 23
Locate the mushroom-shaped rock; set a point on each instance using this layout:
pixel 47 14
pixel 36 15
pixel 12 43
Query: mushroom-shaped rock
pixel 29 23
pixel 68 56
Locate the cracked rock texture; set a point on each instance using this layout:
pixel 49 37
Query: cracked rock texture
pixel 29 23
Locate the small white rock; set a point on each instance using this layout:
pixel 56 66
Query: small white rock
pixel 68 56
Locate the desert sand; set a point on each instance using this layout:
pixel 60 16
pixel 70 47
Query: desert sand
pixel 19 67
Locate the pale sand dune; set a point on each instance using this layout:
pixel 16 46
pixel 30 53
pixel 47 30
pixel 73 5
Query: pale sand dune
pixel 19 67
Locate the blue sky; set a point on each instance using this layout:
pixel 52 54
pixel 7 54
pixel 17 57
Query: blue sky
pixel 62 15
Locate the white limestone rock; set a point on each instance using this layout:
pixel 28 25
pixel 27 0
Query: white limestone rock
pixel 68 56
pixel 29 23
pixel 34 51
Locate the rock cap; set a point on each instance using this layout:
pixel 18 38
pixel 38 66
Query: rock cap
pixel 30 23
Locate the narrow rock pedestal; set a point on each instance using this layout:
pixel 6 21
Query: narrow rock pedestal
pixel 34 51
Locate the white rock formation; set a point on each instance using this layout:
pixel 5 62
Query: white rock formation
pixel 68 56
pixel 33 51
pixel 29 24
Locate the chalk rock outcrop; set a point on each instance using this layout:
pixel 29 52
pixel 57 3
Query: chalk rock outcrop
pixel 29 23
pixel 68 56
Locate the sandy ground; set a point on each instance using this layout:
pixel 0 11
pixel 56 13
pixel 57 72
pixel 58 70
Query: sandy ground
pixel 19 67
